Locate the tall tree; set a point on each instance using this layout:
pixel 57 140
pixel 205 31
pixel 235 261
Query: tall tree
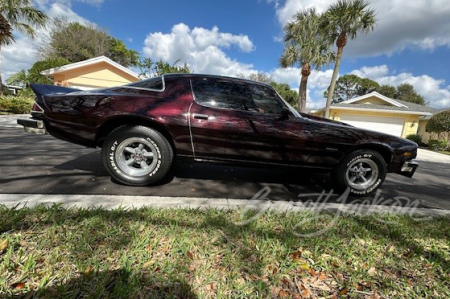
pixel 149 68
pixel 260 77
pixel 19 15
pixel 19 79
pixel 305 46
pixel 77 42
pixel 343 20
pixel 285 91
pixel 388 91
pixel 119 52
pixel 351 86
pixel 406 92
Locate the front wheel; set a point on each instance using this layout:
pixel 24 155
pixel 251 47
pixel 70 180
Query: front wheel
pixel 137 155
pixel 363 172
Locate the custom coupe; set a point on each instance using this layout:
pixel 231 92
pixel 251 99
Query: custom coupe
pixel 143 128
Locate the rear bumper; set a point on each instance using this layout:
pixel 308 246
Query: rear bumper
pixel 408 168
pixel 33 126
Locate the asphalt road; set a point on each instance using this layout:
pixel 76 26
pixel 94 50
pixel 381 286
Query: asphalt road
pixel 33 164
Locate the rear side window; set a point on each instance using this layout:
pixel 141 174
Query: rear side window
pixel 153 83
pixel 221 94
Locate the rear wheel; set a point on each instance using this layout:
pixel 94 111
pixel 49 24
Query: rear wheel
pixel 137 155
pixel 363 172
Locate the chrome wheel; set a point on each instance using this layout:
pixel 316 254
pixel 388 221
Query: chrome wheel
pixel 137 156
pixel 361 174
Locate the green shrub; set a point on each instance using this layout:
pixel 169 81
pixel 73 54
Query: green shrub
pixel 16 104
pixel 439 123
pixel 439 145
pixel 415 137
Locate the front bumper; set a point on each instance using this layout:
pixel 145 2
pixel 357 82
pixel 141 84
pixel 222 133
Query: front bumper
pixel 33 126
pixel 409 168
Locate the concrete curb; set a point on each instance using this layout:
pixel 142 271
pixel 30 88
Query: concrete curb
pixel 110 202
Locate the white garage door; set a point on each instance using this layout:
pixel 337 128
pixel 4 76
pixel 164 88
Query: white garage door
pixel 388 125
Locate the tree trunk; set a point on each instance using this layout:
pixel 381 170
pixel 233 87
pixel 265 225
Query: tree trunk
pixel 333 81
pixel 1 82
pixel 306 71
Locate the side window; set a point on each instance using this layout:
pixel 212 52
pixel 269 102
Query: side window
pixel 221 94
pixel 265 99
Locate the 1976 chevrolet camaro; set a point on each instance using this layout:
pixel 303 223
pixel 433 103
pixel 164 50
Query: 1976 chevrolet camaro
pixel 144 127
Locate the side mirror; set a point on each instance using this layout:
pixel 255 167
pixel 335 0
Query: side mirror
pixel 285 112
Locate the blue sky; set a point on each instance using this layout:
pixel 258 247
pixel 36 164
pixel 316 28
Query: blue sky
pixel 243 36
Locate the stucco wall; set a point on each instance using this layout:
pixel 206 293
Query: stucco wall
pixel 93 76
pixel 411 121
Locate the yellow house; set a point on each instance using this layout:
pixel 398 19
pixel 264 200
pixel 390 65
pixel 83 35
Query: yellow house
pixel 376 112
pixel 93 73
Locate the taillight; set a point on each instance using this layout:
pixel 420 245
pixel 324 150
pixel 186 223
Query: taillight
pixel 36 109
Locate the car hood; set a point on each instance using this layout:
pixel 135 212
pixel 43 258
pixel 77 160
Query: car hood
pixel 369 135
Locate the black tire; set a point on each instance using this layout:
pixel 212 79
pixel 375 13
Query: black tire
pixel 362 171
pixel 149 147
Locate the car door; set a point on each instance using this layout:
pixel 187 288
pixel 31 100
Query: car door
pixel 240 121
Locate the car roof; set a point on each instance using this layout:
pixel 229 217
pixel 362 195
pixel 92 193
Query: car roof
pixel 190 75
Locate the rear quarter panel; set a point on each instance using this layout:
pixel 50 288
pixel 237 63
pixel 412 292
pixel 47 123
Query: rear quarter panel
pixel 78 117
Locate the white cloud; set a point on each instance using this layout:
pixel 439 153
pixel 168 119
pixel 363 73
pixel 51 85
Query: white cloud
pixel 433 90
pixel 372 72
pixel 422 24
pixel 202 49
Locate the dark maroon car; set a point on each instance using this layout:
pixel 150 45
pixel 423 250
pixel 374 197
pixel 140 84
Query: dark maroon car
pixel 144 127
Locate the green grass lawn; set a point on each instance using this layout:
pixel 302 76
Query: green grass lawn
pixel 445 152
pixel 167 253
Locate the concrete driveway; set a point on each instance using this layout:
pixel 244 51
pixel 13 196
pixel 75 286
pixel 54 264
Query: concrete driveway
pixel 34 164
pixel 430 156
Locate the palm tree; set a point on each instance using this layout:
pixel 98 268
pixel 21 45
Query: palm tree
pixel 304 45
pixel 19 79
pixel 342 20
pixel 19 15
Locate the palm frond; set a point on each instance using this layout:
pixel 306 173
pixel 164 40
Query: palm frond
pixel 304 43
pixel 349 17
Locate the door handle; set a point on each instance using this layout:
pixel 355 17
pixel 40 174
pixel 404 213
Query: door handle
pixel 201 116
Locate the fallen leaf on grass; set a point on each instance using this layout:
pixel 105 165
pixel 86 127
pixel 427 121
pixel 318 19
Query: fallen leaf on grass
pixel 190 255
pixel 306 293
pixel 283 294
pixel 18 285
pixel 296 255
pixel 343 291
pixel 88 270
pixel 372 271
pixel 302 264
pixel 4 244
